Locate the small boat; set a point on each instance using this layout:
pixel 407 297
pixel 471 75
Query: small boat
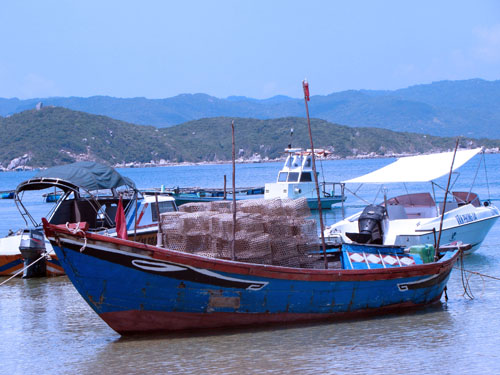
pixel 138 288
pixel 296 180
pixel 196 195
pixel 52 197
pixel 7 194
pixel 90 193
pixel 415 218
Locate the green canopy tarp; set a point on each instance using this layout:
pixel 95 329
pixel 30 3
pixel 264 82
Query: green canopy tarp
pixel 87 175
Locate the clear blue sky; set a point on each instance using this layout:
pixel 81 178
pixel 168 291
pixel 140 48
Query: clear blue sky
pixel 254 48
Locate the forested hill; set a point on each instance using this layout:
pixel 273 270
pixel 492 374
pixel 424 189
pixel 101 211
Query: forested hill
pixel 53 136
pixel 448 108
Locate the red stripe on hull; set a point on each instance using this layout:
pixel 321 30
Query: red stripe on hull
pixel 135 321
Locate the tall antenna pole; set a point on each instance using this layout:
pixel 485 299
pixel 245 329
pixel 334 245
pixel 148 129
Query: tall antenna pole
pixel 305 86
pixel 233 256
pixel 445 197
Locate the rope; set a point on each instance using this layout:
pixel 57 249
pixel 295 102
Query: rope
pixel 76 230
pixel 478 274
pixel 357 196
pixel 465 280
pixel 44 255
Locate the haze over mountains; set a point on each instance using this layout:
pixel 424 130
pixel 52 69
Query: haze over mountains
pixel 447 108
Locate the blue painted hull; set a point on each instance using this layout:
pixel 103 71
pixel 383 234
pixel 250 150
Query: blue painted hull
pixel 326 202
pixel 141 288
pixel 7 195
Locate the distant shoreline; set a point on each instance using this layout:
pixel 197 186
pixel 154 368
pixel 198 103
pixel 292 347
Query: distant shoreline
pixel 239 161
pixel 266 160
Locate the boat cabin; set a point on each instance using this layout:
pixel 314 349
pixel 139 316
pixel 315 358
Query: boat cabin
pixel 296 180
pixel 297 167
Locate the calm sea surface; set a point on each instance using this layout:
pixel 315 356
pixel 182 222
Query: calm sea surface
pixel 46 327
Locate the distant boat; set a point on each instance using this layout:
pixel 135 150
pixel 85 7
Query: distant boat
pixel 197 195
pixel 7 194
pixel 52 197
pixel 296 180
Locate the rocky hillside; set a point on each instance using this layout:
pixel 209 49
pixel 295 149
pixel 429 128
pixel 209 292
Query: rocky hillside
pixel 52 135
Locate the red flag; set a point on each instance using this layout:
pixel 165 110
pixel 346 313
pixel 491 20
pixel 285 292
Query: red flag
pixel 121 225
pixel 306 89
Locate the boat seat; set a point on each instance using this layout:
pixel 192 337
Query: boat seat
pixel 111 209
pixel 449 206
pixel 462 198
pixel 84 211
pixel 396 212
pixel 63 214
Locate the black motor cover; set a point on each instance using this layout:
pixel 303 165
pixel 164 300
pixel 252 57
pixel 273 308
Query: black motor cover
pixel 369 225
pixel 32 247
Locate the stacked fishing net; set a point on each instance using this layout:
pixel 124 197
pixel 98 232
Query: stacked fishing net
pixel 277 232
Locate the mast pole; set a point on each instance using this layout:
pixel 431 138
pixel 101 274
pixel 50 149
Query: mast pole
pixel 305 86
pixel 445 197
pixel 233 256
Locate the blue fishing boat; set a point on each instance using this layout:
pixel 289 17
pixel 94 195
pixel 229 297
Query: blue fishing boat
pixel 7 194
pixel 136 287
pixel 52 197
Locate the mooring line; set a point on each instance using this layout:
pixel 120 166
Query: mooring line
pixel 44 255
pixel 478 273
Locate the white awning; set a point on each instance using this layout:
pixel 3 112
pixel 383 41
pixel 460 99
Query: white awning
pixel 419 168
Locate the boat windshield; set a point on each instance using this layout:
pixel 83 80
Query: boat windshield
pixel 282 176
pixel 305 177
pixel 297 161
pixel 163 207
pixel 293 177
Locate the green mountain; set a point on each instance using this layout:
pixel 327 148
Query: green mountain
pixel 53 135
pixel 448 108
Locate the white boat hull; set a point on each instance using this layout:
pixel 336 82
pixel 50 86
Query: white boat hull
pixel 467 224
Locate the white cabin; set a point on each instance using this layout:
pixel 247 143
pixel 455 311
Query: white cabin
pixel 296 180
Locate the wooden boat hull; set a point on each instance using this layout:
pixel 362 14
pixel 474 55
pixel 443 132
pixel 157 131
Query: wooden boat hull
pixel 139 288
pixel 10 264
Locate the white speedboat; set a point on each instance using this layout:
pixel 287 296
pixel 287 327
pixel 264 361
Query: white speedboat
pixel 413 219
pixel 296 180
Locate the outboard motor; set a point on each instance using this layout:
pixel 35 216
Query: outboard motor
pixel 370 226
pixel 32 248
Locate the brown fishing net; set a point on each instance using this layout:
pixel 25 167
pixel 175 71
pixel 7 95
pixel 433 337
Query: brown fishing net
pixel 276 232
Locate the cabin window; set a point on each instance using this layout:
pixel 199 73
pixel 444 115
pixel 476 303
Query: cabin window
pixel 293 177
pixel 282 176
pixel 297 161
pixel 305 177
pixel 308 163
pixel 163 206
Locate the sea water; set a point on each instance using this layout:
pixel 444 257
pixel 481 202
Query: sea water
pixel 46 327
